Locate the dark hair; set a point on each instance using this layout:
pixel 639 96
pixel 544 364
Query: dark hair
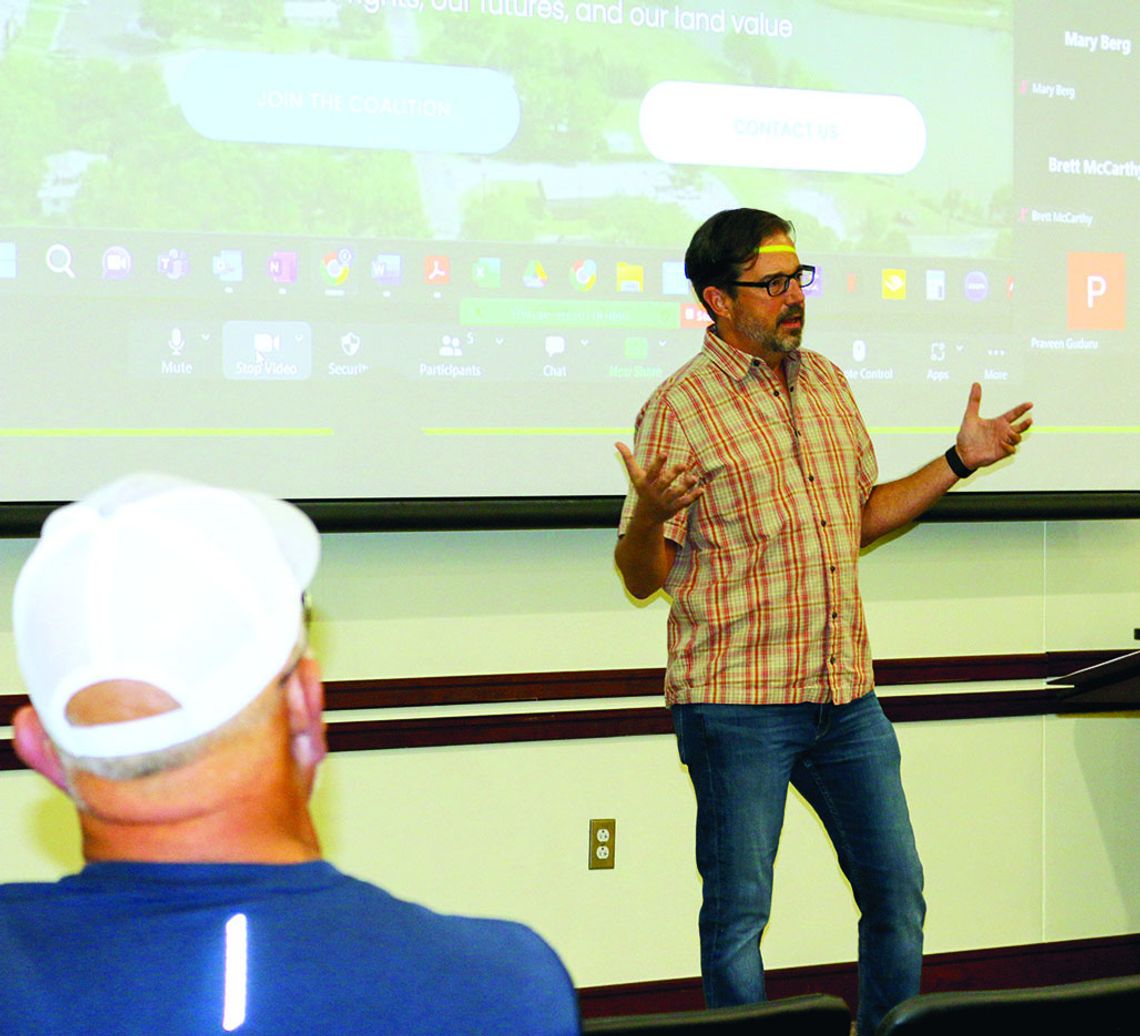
pixel 726 243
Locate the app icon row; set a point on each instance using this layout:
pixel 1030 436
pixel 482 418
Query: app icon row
pixel 975 285
pixel 336 266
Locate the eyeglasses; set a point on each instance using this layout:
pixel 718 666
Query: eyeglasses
pixel 779 283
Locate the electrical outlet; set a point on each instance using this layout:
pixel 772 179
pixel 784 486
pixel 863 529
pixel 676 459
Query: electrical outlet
pixel 603 841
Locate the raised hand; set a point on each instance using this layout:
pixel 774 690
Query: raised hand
pixel 661 491
pixel 983 440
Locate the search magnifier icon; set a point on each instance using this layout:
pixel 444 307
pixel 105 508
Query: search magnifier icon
pixel 58 259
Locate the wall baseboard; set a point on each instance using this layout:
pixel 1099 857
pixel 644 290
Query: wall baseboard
pixel 999 967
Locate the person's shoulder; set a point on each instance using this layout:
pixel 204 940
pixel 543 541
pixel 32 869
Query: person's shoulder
pixel 345 947
pixel 476 944
pixel 15 891
pixel 674 395
pixel 476 965
pixel 693 367
pixel 19 901
pixel 18 895
pixel 511 965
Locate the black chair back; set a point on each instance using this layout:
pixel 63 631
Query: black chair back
pixel 1093 1008
pixel 816 1014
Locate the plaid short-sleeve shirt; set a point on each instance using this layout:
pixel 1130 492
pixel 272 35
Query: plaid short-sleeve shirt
pixel 766 605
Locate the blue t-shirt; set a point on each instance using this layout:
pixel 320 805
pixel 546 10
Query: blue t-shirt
pixel 170 949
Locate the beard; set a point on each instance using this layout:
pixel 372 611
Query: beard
pixel 777 338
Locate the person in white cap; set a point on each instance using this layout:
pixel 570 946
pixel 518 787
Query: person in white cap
pixel 159 626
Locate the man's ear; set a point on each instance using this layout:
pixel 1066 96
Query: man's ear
pixel 715 300
pixel 305 699
pixel 34 747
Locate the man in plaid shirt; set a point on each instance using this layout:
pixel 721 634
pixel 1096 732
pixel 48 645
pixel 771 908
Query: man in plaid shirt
pixel 752 491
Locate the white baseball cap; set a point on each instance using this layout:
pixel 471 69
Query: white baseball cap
pixel 193 589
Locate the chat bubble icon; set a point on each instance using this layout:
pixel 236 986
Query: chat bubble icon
pixel 555 345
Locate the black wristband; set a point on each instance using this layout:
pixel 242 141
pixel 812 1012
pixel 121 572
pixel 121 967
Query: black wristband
pixel 957 465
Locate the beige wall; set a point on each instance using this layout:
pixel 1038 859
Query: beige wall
pixel 1028 827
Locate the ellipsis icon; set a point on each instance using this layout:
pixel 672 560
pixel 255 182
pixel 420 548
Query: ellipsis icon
pixel 775 128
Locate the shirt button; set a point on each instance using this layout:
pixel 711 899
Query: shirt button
pixel 811 478
pixel 832 568
pixel 823 521
pixel 835 615
pixel 831 660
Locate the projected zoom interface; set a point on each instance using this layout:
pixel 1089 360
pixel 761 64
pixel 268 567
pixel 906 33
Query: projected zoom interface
pixel 444 238
pixel 369 310
pixel 1078 176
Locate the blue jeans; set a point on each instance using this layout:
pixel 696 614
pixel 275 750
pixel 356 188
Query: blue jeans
pixel 844 759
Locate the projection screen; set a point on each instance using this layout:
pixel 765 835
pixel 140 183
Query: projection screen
pixel 431 250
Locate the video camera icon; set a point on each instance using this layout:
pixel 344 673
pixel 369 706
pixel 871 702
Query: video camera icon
pixel 117 263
